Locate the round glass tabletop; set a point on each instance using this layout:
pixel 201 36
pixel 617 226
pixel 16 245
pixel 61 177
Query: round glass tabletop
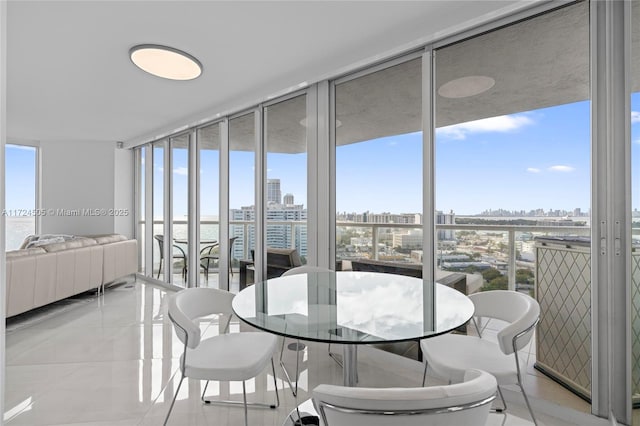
pixel 352 307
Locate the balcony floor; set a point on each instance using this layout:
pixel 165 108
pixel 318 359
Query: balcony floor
pixel 112 360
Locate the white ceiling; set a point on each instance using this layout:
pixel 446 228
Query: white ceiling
pixel 70 77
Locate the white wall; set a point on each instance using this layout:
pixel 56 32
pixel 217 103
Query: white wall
pixel 77 176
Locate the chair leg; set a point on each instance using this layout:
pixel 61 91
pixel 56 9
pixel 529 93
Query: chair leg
pixel 294 389
pixel 275 382
pixel 333 356
pixel 504 403
pixel 244 398
pixel 159 269
pixel 526 399
pixel 519 376
pixel 236 403
pixel 424 373
pixel 203 392
pixel 173 401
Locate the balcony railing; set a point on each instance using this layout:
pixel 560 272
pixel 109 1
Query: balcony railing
pixel 509 231
pixel 379 248
pixel 245 236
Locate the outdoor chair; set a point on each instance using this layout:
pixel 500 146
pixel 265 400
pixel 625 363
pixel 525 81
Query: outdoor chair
pixel 178 253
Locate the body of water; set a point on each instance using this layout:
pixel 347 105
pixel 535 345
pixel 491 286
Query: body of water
pixel 17 229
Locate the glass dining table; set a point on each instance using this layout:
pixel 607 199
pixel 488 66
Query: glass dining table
pixel 352 308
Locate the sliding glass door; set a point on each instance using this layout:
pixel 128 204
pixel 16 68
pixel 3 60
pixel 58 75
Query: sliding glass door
pixel 209 184
pixel 242 181
pixel 286 185
pixel 513 180
pixel 378 159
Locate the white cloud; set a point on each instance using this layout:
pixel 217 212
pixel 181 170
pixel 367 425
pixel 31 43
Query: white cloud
pixel 635 116
pixel 183 171
pixel 561 168
pixel 637 141
pixel 533 170
pixel 393 143
pixel 502 123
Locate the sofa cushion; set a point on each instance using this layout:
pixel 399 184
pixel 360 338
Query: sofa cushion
pixel 68 245
pixel 44 239
pixel 25 252
pixel 108 238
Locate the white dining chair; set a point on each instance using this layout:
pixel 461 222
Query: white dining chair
pixel 461 404
pixel 448 354
pixel 225 357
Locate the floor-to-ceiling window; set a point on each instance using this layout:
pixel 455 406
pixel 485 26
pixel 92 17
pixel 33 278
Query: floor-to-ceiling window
pixel 158 210
pixel 140 206
pixel 180 205
pixel 286 149
pixel 513 176
pixel 378 161
pixel 242 162
pixel 21 207
pixel 209 160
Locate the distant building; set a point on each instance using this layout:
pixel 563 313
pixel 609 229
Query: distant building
pixel 368 217
pixel 288 200
pixel 410 240
pixel 273 191
pixel 446 219
pixel 278 235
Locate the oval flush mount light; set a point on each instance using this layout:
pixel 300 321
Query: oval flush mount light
pixel 466 86
pixel 165 62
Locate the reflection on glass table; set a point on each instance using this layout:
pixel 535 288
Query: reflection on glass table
pixel 352 308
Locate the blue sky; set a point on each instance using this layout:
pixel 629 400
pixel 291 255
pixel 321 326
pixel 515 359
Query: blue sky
pixel 20 177
pixel 537 159
pixel 524 161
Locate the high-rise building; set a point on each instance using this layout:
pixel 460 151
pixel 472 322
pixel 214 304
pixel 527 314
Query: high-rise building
pixel 288 199
pixel 446 219
pixel 273 191
pixel 279 233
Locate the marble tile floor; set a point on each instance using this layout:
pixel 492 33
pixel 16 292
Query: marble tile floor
pixel 112 360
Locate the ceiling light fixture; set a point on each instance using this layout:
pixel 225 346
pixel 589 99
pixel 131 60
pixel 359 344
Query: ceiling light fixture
pixel 165 62
pixel 466 86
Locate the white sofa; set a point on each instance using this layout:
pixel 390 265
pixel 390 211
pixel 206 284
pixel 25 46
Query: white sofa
pixel 41 275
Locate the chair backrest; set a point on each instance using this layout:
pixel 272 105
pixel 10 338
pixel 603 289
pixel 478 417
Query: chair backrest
pixel 160 239
pixel 231 241
pixel 304 269
pixel 191 303
pixel 518 309
pixel 460 404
